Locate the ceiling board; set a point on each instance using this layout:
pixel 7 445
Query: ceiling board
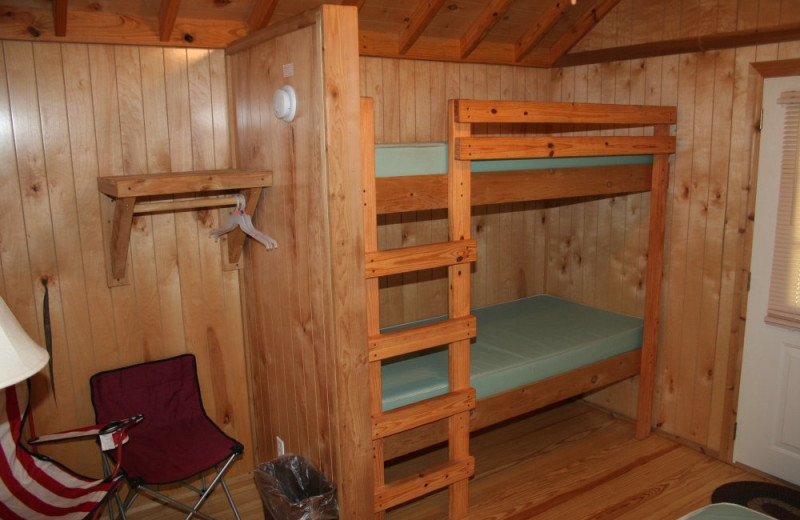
pixel 629 27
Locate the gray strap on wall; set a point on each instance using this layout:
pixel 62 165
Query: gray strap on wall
pixel 48 336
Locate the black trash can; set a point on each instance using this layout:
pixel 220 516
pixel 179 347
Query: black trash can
pixel 292 489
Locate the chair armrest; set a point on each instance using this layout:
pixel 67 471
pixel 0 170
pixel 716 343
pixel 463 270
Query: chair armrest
pixel 110 434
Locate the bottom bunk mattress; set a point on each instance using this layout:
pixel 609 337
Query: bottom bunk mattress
pixel 518 343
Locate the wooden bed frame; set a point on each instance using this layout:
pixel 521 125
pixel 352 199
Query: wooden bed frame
pixel 452 416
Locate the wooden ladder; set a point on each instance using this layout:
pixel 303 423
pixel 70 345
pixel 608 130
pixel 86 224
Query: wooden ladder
pixel 457 330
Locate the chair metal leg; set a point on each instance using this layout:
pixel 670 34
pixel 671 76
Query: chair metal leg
pixel 174 503
pixel 230 499
pixel 204 494
pixel 217 478
pixel 117 499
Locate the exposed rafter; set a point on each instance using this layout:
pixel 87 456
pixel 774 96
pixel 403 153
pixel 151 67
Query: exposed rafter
pixel 261 14
pixel 419 20
pixel 728 40
pixel 540 28
pixel 585 24
pixel 443 49
pixel 488 18
pixel 167 14
pixel 357 3
pixel 60 17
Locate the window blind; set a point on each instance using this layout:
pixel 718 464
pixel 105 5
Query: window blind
pixel 784 292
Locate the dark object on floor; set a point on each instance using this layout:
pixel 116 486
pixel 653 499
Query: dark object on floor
pixel 292 489
pixel 776 501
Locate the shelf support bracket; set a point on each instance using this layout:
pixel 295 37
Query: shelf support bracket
pixel 121 235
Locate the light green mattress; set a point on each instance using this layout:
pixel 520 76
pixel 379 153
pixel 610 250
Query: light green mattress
pixel 518 342
pixel 395 160
pixel 725 512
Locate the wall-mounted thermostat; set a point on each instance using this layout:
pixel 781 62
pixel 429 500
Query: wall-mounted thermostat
pixel 284 102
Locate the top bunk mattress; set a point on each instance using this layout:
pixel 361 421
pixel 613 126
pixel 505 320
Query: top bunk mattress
pixel 397 160
pixel 518 343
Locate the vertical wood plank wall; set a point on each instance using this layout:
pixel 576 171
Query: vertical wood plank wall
pixel 71 113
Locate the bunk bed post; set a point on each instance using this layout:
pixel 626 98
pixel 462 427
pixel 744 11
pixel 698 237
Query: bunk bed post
pixel 459 209
pixel 373 296
pixel 655 264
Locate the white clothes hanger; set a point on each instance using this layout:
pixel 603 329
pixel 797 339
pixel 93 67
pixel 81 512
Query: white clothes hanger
pixel 239 218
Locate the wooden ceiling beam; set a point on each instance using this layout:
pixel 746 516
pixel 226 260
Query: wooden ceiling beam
pixel 261 14
pixel 419 20
pixel 585 23
pixel 539 30
pixel 35 24
pixel 488 18
pixel 357 3
pixel 727 40
pixel 383 45
pixel 60 17
pixel 167 14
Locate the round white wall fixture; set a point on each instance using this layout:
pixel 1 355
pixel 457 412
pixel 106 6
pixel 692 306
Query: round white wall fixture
pixel 284 102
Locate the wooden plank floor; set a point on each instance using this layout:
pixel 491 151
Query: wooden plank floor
pixel 571 462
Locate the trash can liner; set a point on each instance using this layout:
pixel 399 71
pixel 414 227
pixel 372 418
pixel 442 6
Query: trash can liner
pixel 292 489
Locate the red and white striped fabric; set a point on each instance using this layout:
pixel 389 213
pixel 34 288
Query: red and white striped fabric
pixel 33 487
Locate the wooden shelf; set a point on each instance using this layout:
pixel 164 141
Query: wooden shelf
pixel 127 189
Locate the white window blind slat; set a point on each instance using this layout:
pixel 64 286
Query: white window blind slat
pixel 784 294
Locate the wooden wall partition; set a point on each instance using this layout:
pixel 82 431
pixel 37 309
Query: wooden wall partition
pixel 306 300
pixel 70 113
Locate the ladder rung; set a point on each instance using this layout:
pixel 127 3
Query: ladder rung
pixel 405 341
pixel 416 258
pixel 415 486
pixel 424 412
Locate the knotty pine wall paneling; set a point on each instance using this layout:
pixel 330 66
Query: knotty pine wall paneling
pixel 306 300
pixel 707 210
pixel 69 114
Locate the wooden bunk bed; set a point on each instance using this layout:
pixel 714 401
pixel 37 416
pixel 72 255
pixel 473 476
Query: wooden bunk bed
pixel 456 411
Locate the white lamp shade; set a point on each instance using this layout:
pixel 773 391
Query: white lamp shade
pixel 20 356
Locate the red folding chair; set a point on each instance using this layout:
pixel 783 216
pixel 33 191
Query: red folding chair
pixel 177 441
pixel 35 487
